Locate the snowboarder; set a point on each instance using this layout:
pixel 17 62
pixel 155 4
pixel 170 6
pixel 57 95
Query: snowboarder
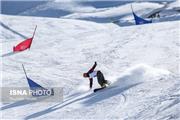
pixel 100 77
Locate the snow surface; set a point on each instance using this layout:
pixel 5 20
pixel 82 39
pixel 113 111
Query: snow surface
pixel 140 61
pixel 116 12
pixel 98 11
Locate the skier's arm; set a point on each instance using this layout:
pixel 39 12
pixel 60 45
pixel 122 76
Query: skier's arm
pixel 90 83
pixel 92 69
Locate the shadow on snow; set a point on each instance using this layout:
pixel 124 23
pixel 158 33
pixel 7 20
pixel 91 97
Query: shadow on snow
pixel 91 99
pixel 13 31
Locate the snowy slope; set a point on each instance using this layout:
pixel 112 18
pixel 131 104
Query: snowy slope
pixel 115 13
pixel 55 8
pixel 140 61
pixel 118 12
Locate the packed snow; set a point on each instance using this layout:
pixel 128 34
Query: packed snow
pixel 141 62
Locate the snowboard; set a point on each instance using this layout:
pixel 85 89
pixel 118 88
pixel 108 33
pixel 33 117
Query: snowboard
pixel 97 89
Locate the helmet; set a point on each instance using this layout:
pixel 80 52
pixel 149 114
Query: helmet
pixel 85 75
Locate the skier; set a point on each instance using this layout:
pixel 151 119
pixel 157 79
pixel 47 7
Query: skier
pixel 100 77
